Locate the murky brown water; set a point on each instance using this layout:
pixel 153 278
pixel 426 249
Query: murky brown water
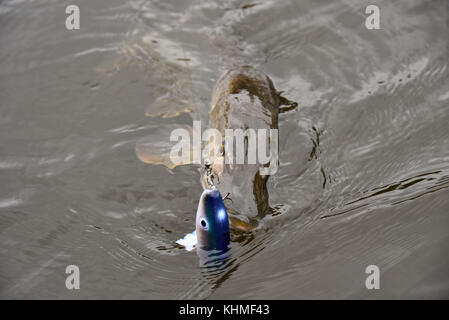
pixel 364 162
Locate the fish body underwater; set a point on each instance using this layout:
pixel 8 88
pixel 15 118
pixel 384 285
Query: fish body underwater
pixel 244 98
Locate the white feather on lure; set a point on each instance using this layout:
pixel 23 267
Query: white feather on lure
pixel 189 241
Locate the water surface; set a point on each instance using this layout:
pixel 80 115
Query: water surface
pixel 364 161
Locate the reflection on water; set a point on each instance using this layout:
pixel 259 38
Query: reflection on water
pixel 364 161
pixel 213 260
pixel 386 195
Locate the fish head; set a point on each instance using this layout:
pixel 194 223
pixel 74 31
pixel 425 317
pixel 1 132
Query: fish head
pixel 245 190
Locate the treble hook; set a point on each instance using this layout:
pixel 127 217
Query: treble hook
pixel 227 197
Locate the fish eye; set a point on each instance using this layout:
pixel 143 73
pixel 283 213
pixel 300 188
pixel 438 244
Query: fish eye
pixel 203 224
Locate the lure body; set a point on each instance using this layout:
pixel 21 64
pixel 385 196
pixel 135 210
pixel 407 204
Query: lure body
pixel 212 222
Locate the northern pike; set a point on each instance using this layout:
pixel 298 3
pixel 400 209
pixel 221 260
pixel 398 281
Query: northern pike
pixel 244 98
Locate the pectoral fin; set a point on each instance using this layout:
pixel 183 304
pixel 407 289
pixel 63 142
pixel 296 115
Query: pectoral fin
pixel 243 223
pixel 169 145
pixel 286 104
